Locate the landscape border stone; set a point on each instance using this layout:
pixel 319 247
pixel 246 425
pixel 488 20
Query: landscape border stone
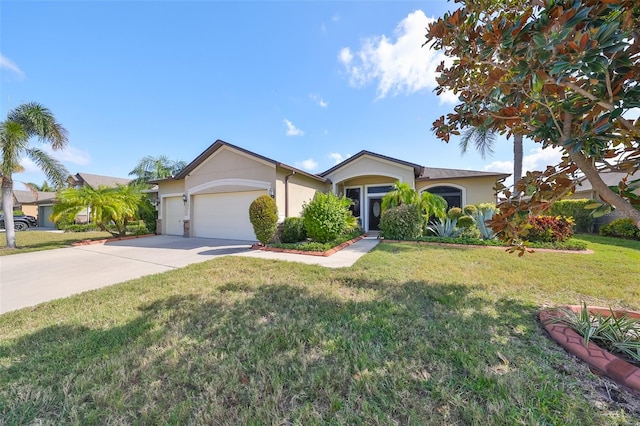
pixel 603 361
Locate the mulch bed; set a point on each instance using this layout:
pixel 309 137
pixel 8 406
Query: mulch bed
pixel 310 253
pixel 108 240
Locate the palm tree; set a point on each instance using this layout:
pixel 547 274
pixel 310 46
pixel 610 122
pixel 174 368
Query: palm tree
pixel 22 124
pixel 484 139
pixel 111 208
pixel 45 187
pixel 160 167
pixel 402 193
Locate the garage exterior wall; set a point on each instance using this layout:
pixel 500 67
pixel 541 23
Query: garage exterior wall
pixel 228 165
pixel 301 190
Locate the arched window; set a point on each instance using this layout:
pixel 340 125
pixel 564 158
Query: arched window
pixel 452 194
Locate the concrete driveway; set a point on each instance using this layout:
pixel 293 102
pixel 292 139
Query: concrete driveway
pixel 31 278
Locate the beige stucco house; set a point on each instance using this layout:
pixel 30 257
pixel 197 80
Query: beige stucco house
pixel 210 197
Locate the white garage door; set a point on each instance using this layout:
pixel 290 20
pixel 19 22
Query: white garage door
pixel 224 215
pixel 173 216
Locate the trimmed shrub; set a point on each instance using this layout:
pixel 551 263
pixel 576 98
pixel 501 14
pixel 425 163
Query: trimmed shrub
pixel 455 213
pixel 582 217
pixel 402 223
pixel 468 227
pixel 18 213
pixel 465 222
pixel 621 228
pixel 293 230
pixel 86 227
pixel 549 229
pixel 263 214
pixel 327 217
pixel 138 227
pixel 470 210
pixel 486 206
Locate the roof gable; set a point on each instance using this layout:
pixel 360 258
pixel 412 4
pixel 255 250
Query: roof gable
pixel 416 167
pixel 219 144
pixel 432 173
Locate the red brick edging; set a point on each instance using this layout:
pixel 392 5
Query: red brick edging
pixel 600 359
pixel 310 253
pixel 108 240
pixel 434 243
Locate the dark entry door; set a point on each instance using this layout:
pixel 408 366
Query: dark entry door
pixel 375 209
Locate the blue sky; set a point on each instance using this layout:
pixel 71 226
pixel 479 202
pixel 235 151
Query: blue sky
pixel 306 83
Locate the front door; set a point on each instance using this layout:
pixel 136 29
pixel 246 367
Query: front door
pixel 375 209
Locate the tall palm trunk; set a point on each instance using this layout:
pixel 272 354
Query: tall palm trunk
pixel 7 205
pixel 517 157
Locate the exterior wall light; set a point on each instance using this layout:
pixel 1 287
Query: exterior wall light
pixel 184 198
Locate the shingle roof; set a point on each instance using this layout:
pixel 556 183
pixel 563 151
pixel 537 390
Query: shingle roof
pixel 430 173
pixel 96 181
pixel 421 172
pixel 29 197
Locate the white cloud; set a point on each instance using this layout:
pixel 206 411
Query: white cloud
pixel 400 66
pixel 319 101
pixel 70 155
pixel 292 130
pixel 338 158
pixel 335 18
pixel 538 159
pixel 8 64
pixel 309 165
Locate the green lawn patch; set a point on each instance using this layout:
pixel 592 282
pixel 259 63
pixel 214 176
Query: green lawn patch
pixel 412 334
pixel 29 241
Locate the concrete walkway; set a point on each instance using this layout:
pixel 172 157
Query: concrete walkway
pixel 31 278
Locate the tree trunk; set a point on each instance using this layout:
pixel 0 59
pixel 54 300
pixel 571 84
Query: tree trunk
pixel 7 205
pixel 602 189
pixel 517 157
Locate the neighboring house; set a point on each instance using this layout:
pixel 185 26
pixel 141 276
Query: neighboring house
pixel 584 189
pixel 35 203
pixel 94 181
pixel 210 197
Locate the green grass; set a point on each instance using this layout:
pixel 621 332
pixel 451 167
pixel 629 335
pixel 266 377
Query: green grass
pixel 412 334
pixel 28 241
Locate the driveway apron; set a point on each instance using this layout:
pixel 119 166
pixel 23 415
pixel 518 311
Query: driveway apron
pixel 31 278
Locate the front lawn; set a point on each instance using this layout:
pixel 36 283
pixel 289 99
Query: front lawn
pixel 412 334
pixel 28 241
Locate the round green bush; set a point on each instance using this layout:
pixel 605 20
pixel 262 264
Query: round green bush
pixel 465 222
pixel 263 214
pixel 402 223
pixel 293 230
pixel 327 217
pixel 621 228
pixel 470 210
pixel 455 213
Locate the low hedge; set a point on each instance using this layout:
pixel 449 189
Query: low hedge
pixel 315 246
